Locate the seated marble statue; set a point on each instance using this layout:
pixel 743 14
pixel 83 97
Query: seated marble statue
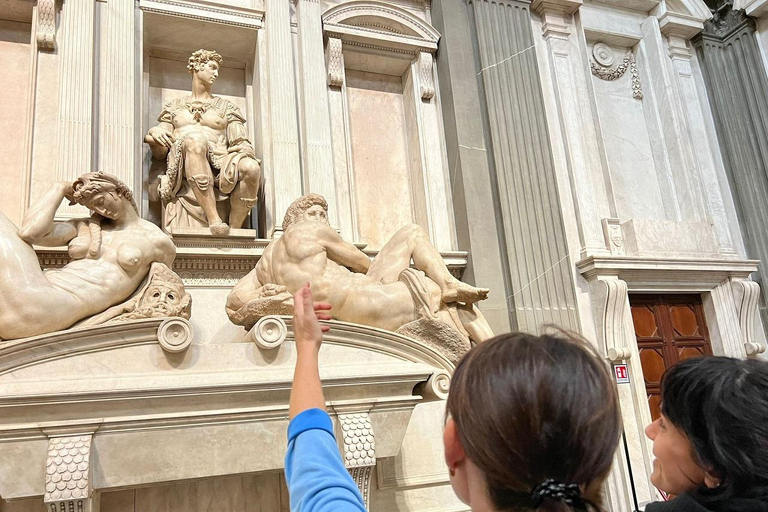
pixel 211 164
pixel 112 252
pixel 385 293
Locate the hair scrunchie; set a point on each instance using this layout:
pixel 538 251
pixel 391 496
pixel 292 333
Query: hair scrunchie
pixel 570 494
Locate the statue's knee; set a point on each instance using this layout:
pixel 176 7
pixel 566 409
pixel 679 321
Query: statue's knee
pixel 413 230
pixel 196 144
pixel 250 171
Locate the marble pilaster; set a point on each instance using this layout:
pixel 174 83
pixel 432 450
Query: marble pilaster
pixel 664 85
pixel 316 126
pixel 118 151
pixel 284 167
pixel 542 285
pixel 76 80
pixel 472 183
pixel 579 154
pixel 737 84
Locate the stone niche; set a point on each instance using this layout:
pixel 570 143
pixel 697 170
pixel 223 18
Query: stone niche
pixel 169 36
pixel 385 119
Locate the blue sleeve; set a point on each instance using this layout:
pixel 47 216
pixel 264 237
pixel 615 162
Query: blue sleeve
pixel 314 471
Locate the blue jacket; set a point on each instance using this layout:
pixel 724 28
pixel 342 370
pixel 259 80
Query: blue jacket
pixel 314 471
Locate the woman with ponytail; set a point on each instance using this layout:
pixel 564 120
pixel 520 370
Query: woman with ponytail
pixel 532 425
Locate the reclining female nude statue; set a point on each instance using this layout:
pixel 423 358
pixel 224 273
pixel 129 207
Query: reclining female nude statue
pixel 426 302
pixel 112 253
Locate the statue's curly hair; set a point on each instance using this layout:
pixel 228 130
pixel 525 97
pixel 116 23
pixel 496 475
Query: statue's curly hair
pixel 200 58
pixel 90 184
pixel 298 207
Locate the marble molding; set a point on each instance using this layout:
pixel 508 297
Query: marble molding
pixel 358 449
pixel 188 399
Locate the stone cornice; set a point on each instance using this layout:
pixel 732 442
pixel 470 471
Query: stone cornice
pixel 560 6
pixel 754 8
pixel 666 273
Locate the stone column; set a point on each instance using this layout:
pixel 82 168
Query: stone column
pixel 118 139
pixel 542 282
pixel 315 121
pixel 75 41
pixel 472 184
pixel 284 168
pixel 738 91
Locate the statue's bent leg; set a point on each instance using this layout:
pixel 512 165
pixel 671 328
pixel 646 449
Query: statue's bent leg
pixel 244 196
pixel 198 171
pixel 412 242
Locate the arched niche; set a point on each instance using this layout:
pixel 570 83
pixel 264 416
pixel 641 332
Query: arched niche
pixel 391 167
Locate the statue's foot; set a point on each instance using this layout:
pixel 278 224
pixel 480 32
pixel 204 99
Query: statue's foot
pixel 462 292
pixel 219 229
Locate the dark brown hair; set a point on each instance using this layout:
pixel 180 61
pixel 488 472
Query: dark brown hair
pixel 530 409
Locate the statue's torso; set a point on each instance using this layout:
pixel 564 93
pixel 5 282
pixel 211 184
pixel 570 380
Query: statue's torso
pixel 209 118
pixel 123 262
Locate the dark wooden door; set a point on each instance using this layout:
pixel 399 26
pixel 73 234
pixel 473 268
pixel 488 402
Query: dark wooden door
pixel 669 328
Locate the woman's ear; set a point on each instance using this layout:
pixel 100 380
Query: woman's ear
pixel 711 480
pixel 454 452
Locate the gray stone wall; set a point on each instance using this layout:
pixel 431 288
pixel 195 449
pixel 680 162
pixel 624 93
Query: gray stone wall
pixel 738 91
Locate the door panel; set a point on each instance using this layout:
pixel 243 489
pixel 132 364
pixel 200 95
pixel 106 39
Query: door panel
pixel 669 329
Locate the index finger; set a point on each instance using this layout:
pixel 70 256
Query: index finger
pixel 298 302
pixel 322 306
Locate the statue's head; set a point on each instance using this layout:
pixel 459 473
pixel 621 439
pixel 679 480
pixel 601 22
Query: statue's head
pixel 164 295
pixel 104 194
pixel 307 208
pixel 204 64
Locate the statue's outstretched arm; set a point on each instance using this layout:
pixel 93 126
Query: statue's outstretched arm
pixel 38 226
pixel 344 253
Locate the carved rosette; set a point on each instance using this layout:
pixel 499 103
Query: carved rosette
pixel 359 449
pixel 46 25
pixel 67 474
pixel 426 78
pixel 269 332
pixel 602 67
pixel 334 62
pixel 175 335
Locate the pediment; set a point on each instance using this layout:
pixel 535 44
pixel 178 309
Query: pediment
pixel 380 23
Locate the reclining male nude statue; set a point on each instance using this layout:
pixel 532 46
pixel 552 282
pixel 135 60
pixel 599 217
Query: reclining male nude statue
pixel 385 293
pixel 112 252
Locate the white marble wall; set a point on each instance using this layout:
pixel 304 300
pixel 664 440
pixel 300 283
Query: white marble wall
pixel 653 164
pixel 15 38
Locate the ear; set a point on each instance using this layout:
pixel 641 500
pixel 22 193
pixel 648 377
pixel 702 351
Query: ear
pixel 711 480
pixel 454 452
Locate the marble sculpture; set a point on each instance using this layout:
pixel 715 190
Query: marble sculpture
pixel 211 164
pixel 425 302
pixel 112 253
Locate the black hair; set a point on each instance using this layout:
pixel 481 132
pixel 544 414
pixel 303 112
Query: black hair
pixel 721 405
